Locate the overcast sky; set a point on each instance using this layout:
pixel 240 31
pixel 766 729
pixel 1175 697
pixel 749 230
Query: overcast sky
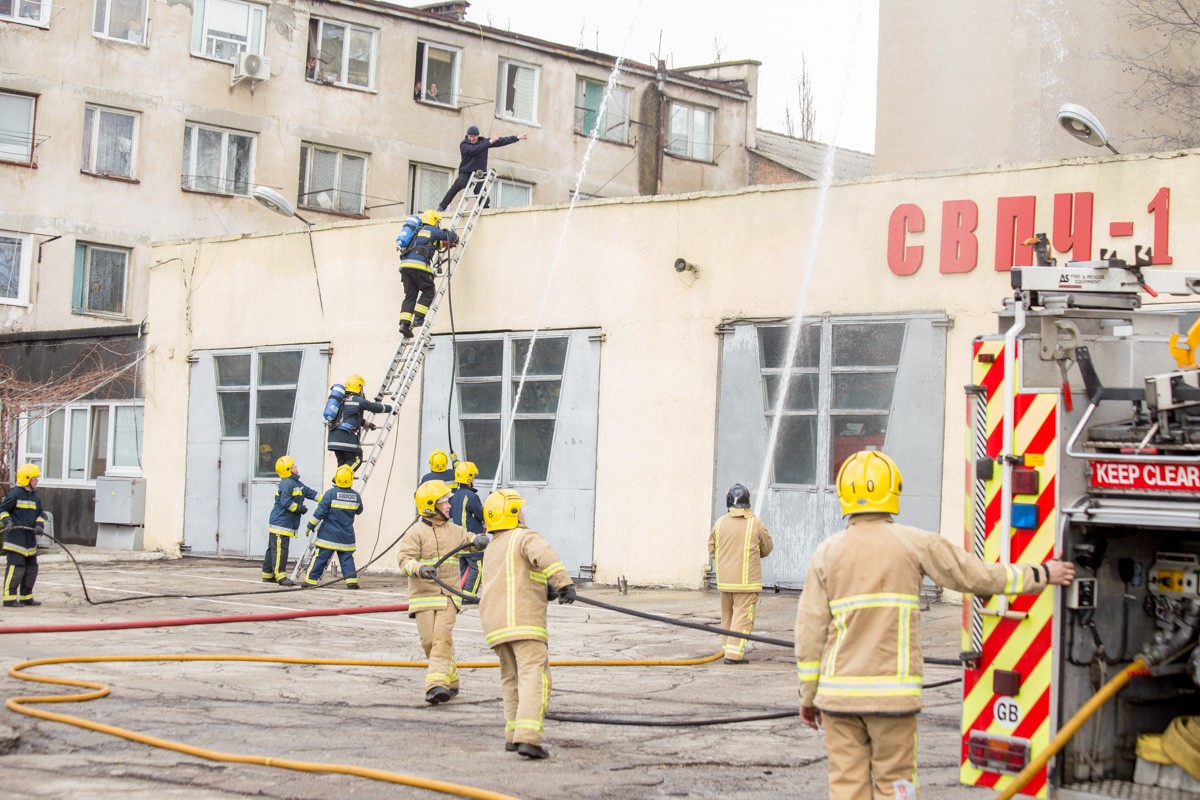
pixel 838 39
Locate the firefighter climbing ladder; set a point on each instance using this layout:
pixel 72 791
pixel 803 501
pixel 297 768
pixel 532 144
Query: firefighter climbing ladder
pixel 410 353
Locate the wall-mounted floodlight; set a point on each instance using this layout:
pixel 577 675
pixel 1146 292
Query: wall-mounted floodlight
pixel 683 265
pixel 1083 125
pixel 280 205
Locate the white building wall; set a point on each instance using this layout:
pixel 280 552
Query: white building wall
pixel 610 265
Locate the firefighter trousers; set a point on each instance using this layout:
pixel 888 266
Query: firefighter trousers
pixel 418 294
pixel 871 751
pixel 737 614
pixel 525 683
pixel 19 576
pixel 350 458
pixel 321 560
pixel 274 567
pixel 436 629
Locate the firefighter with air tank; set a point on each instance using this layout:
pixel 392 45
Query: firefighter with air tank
pixel 858 652
pixel 344 416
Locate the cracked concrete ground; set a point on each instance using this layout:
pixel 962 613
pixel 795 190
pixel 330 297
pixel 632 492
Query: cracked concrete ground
pixel 376 717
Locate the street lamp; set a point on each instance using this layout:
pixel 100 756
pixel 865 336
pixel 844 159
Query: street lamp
pixel 1083 125
pixel 280 205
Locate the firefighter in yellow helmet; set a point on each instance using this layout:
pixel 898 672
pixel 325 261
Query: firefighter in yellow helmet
pixel 442 466
pixel 858 654
pixel 521 572
pixel 737 544
pixel 336 509
pixel 416 270
pixel 286 514
pixel 21 520
pixel 344 417
pixel 433 607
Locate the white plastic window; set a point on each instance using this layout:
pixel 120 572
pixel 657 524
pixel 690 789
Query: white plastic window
pixel 16 127
pixel 427 186
pixel 690 132
pixel 109 142
pixel 436 74
pixel 512 193
pixel 28 12
pixel 332 180
pixel 101 279
pixel 224 28
pixel 124 20
pixel 517 95
pixel 15 264
pixel 77 444
pixel 341 54
pixel 217 160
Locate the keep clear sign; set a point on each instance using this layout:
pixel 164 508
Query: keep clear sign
pixel 1164 477
pixel 1007 712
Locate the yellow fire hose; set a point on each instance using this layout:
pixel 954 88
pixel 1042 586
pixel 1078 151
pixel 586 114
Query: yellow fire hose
pixel 1089 708
pixel 20 705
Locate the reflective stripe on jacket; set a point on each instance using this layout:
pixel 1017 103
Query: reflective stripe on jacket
pixel 20 513
pixel 285 514
pixel 858 639
pixel 424 543
pixel 739 541
pixel 336 509
pixel 517 565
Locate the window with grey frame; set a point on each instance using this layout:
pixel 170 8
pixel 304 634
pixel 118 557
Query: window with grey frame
pixel 483 367
pixel 839 395
pixel 275 405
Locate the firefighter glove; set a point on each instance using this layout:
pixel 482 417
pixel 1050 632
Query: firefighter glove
pixel 481 541
pixel 312 526
pixel 39 529
pixel 427 571
pixel 567 594
pixel 303 509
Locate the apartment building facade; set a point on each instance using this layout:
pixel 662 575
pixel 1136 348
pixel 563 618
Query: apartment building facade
pixel 124 122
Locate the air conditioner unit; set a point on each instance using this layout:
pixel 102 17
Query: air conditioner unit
pixel 252 66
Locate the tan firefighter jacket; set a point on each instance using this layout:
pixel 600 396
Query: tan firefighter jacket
pixel 858 642
pixel 426 541
pixel 517 566
pixel 739 541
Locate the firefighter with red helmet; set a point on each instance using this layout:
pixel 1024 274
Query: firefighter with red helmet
pixel 521 572
pixel 738 543
pixel 435 608
pixel 858 651
pixel 21 520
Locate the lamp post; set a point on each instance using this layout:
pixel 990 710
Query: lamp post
pixel 1083 125
pixel 280 205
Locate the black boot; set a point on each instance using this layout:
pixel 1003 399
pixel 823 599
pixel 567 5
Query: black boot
pixel 286 582
pixel 31 602
pixel 510 747
pixel 406 329
pixel 532 750
pixel 11 603
pixel 438 694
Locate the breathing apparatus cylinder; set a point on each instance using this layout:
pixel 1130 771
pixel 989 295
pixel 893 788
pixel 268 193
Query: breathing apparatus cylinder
pixel 337 393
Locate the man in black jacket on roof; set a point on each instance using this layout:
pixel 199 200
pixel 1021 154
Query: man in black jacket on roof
pixel 474 157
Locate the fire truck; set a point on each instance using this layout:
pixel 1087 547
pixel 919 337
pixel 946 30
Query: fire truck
pixel 1084 442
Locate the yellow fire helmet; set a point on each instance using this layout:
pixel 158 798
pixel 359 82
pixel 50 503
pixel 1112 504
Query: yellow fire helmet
pixel 500 510
pixel 438 461
pixel 465 472
pixel 431 217
pixel 428 495
pixel 26 473
pixel 344 477
pixel 283 466
pixel 869 482
pixel 265 448
pixel 354 384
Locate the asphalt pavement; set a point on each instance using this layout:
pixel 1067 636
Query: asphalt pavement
pixel 376 717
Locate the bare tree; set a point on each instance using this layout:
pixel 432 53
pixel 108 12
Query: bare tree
pixel 807 114
pixel 29 401
pixel 808 106
pixel 1166 68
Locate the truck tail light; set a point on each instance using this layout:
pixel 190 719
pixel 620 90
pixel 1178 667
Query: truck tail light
pixel 996 753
